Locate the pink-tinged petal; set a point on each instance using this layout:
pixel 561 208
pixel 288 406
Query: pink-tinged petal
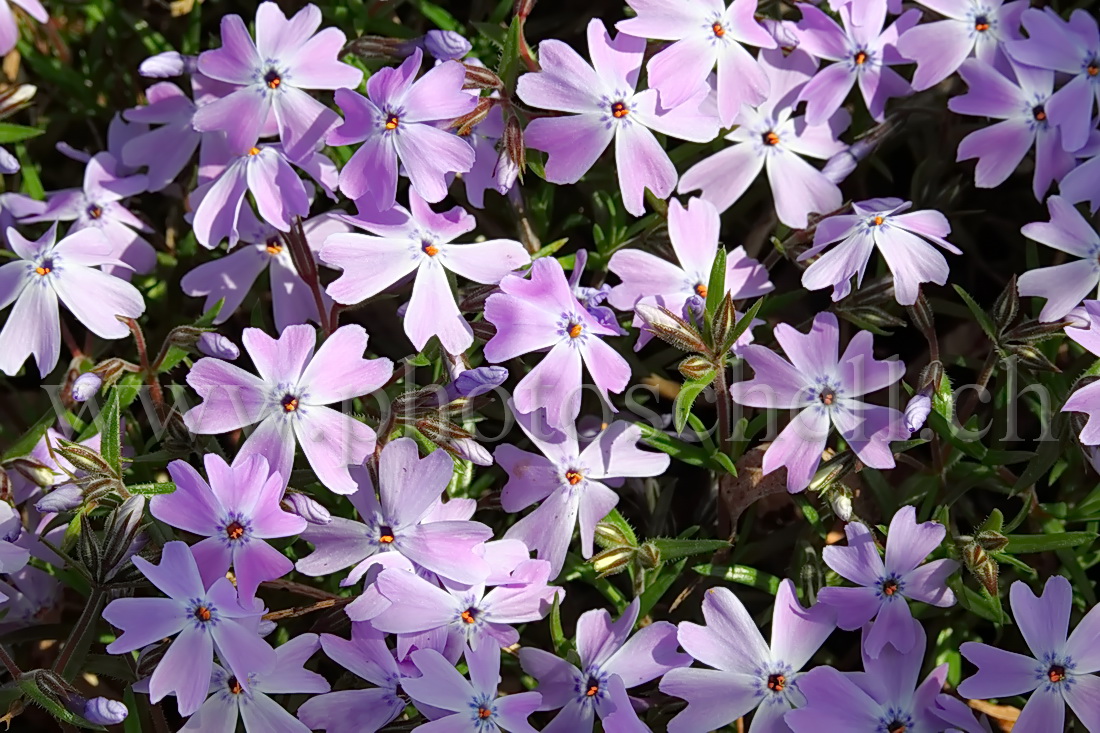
pixel 256 562
pixel 647 655
pixel 1054 164
pixel 232 398
pixel 485 262
pixel 13 279
pixel 1000 673
pixel 680 70
pixel 555 675
pixel 598 637
pixel 1084 643
pixel 725 176
pixel 192 506
pixel 438 95
pixel 999 149
pixel 937 48
pixel 799 189
pixel 229 278
pixel 1083 697
pixel 417 604
pixel 741 23
pixel 217 715
pixel 241 115
pixel 616 61
pixel 776 384
pixel 432 311
pixel 361 115
pixel 303 121
pixel 835 703
pixel 644 274
pixel 854 606
pixel 263 713
pixel 567 83
pixel 337 545
pixel 1044 619
pixel 275 186
pixel 1045 711
pixel 609 370
pixel 177 575
pixel 798 448
pixel 642 163
pixel 428 155
pixel 531 477
pixel 280 360
pixel 218 212
pixel 338 372
pixel 694 234
pixel 741 80
pixel 34 9
pixel 316 67
pixel 213 558
pixel 32 328
pixel 333 442
pixel 185 670
pixel 1049 44
pixel 877 86
pixel 143 621
pixel 666 20
pixel 370 265
pixel 237 58
pixel 908 542
pixel 113 297
pixel 280 37
pixel 730 640
pixel 869 430
pixel 273 439
pixel 549 528
pixel 836 267
pixel 366 710
pixel 242 649
pixel 818 141
pixel 447 548
pixel 928 583
pixel 820 35
pixel 596 502
pixel 522 326
pixel 1064 286
pixel 798 632
pixel 859 562
pixel 410 485
pixel 715 699
pixel 615 454
pixel 372 169
pixel 441 685
pixel 573 143
pixel 513 710
pixel 554 384
pixel 693 120
pixel 826 92
pixel 813 353
pixel 1067 230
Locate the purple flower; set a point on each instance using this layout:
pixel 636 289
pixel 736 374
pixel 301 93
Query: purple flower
pixel 748 674
pixel 419 241
pixel 885 588
pixel 492 168
pixel 12 558
pixel 287 57
pixel 1086 398
pixel 9 29
pixel 259 713
pixel 1071 47
pixel 901 238
pixel 364 710
pixel 218 346
pixel 1022 105
pixel 1066 285
pixel 705 34
pixel 47 272
pixel 236 512
pixel 306 507
pixel 230 278
pixel 399 522
pixel 475 382
pixel 864 53
pixel 288 400
pixel 771 137
pixel 1083 182
pixel 959 716
pixel 29 594
pixel 396 123
pixel 204 617
pixel 469 615
pixel 885 697
pixel 543 313
pixel 165 150
pixel 602 94
pixel 97 206
pixel 607 652
pixel 970 27
pixel 825 390
pixel 1060 670
pixel 568 482
pixel 650 280
pixel 917 411
pixel 446 45
pixel 473 705
pixel 102 710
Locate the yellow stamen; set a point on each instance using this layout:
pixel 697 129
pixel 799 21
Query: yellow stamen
pixel 468 616
pixel 575 330
pixel 573 477
pixel 253 150
pixel 592 691
pixel 391 123
pixel 701 290
pixel 43 270
pixel 619 110
pixel 861 58
pixel 771 139
pixel 878 220
pixel 202 613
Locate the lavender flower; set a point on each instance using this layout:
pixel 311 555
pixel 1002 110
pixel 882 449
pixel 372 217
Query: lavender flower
pixel 1083 182
pixel 771 137
pixel 12 558
pixel 492 168
pixel 288 400
pixel 568 482
pixel 607 107
pixel 542 312
pixel 1064 286
pixel 607 654
pixel 473 705
pixel 396 123
pixel 419 240
pixel 9 29
pixel 47 272
pixel 446 45
pixel 917 411
pixel 259 713
pixel 825 390
pixel 1060 670
pixel 650 280
pixel 204 617
pixel 884 588
pixel 864 52
pixel 885 697
pixel 165 150
pixel 306 507
pixel 901 238
pixel 399 522
pixel 748 674
pixel 705 34
pixel 218 346
pixel 287 56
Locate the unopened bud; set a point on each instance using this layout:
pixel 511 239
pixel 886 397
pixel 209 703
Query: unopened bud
pixel 917 411
pixel 52 685
pixel 185 337
pixel 842 506
pixel 475 382
pixel 695 307
pixel 696 367
pixel 85 386
pixel 167 65
pixel 266 627
pixel 380 47
pixel 840 166
pixel 832 471
pixel 84 458
pixel 104 711
pixel 113 368
pixel 514 150
pixel 35 471
pixel 218 346
pixel 649 556
pixel 479 77
pixel 1031 358
pixel 1006 306
pixel 991 541
pixel 470 450
pixel 670 328
pixel 62 499
pixel 306 507
pixel 609 535
pixel 465 124
pixel 613 560
pixel 446 45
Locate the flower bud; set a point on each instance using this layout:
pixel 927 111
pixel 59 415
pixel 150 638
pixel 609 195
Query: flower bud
pixel 35 471
pixel 612 561
pixel 840 166
pixel 149 657
pixel 670 328
pixel 465 124
pixel 85 386
pixel 104 711
pixel 991 541
pixel 609 535
pixel 695 308
pixel 62 499
pixel 84 458
pixel 917 411
pixel 696 367
pixel 306 507
pixel 266 627
pixel 446 45
pixel 218 346
pixel 513 156
pixel 649 556
pixel 166 65
pixel 470 450
pixel 832 471
pixel 478 77
pixel 842 506
pixel 475 382
pixel 185 337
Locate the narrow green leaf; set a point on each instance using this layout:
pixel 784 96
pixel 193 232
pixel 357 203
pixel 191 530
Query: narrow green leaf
pixel 550 248
pixel 657 588
pixel 30 439
pixel 716 286
pixel 10 133
pixel 510 62
pixel 153 489
pixel 1021 544
pixel 110 427
pixel 979 314
pixel 557 636
pixel 691 390
pixel 674 549
pixel 176 355
pixel 741 574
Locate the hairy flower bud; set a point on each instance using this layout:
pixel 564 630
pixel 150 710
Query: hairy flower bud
pixel 84 458
pixel 696 367
pixel 1006 306
pixel 479 77
pixel 649 556
pixel 991 541
pixel 613 560
pixel 470 450
pixel 306 507
pixel 670 328
pixel 465 124
pixel 166 65
pixel 380 47
pixel 185 337
pixel 513 159
pixel 446 45
pixel 609 535
pixel 62 499
pixel 842 506
pixel 85 386
pixel 35 471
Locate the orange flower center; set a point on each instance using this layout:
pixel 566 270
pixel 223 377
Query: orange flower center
pixel 777 682
pixel 573 477
pixel 701 290
pixel 1039 113
pixel 234 531
pixel 878 220
pixel 234 686
pixel 391 123
pixel 274 248
pixel 1056 673
pixel 771 139
pixel 619 110
pixel 719 31
pixel 592 690
pixel 469 615
pixel 290 403
pixel 981 24
pixel 484 713
pixel 95 211
pixel 253 150
pixel 43 270
pixel 890 587
pixel 861 58
pixel 575 330
pixel 385 535
pixel 429 249
pixel 272 79
pixel 202 613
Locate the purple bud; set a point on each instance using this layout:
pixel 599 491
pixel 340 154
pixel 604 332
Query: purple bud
pixel 840 166
pixel 85 386
pixel 166 65
pixel 694 309
pixel 62 499
pixel 917 411
pixel 474 382
pixel 446 45
pixel 104 711
pixel 472 451
pixel 266 627
pixel 306 508
pixel 214 344
pixel 8 163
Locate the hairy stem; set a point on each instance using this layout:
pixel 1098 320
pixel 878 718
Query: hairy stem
pixel 146 367
pixel 12 667
pixel 302 258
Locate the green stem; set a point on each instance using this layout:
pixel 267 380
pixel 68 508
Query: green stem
pixel 76 646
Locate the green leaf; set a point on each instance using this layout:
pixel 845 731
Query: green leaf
pixel 28 171
pixel 716 286
pixel 30 439
pixel 550 248
pixel 510 62
pixel 686 397
pixel 724 461
pixel 10 133
pixel 153 489
pixel 741 574
pixel 1022 544
pixel 692 455
pixel 175 354
pixel 674 549
pixel 438 15
pixel 657 588
pixel 557 636
pixel 30 688
pixel 110 427
pixel 979 314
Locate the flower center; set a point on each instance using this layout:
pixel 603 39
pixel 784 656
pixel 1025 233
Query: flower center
pixel 202 613
pixel 575 330
pixel 770 138
pixel 877 221
pixel 484 713
pixel 271 78
pixel 1093 67
pixel 1039 113
pixel 701 290
pixel 290 403
pixel 45 268
pixel 860 58
pixel 234 530
pixel 981 24
pixel 777 682
pixel 469 615
pixel 429 248
pixel 719 31
pixel 593 687
pixel 95 211
pixel 385 535
pixel 890 586
pixel 1056 673
pixel 573 477
pixel 253 150
pixel 896 727
pixel 234 686
pixel 827 396
pixel 619 110
pixel 392 122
